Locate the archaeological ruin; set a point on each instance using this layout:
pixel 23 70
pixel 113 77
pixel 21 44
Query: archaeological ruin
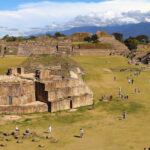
pixel 42 91
pixel 48 80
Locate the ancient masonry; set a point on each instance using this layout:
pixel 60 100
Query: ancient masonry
pixel 64 46
pixel 42 91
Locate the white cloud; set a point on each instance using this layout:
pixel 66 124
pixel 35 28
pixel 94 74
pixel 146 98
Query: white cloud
pixel 46 16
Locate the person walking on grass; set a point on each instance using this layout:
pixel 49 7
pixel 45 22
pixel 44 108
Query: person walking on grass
pixel 17 128
pixel 121 97
pixel 129 81
pixel 81 133
pixel 135 90
pixel 115 78
pixel 139 91
pixel 124 115
pixel 127 96
pixel 50 130
pixel 132 81
pixel 111 97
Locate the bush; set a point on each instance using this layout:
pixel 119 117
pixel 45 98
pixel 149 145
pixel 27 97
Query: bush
pixel 131 43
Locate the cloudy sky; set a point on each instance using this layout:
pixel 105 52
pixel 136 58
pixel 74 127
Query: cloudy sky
pixel 26 17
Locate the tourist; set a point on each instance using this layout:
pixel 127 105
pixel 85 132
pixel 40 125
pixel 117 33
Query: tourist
pixel 132 81
pixel 119 92
pixel 49 129
pixel 135 90
pixel 124 96
pixel 139 91
pixel 124 115
pixel 115 78
pixel 17 129
pixel 111 97
pixel 121 97
pixel 27 130
pixel 127 96
pixel 129 81
pixel 81 133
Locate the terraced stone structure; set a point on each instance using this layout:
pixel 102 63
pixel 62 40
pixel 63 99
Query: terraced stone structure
pixel 17 94
pixel 42 91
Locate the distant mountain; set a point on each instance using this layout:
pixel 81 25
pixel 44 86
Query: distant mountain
pixel 126 30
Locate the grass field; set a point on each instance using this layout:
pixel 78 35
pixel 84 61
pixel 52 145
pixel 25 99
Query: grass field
pixel 102 126
pixel 11 61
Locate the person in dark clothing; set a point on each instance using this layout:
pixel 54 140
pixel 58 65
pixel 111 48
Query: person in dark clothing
pixel 124 115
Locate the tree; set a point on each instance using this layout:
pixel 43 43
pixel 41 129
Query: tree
pixel 88 39
pixel 94 38
pixel 32 37
pixel 49 35
pixel 118 36
pixel 8 38
pixel 143 39
pixel 131 43
pixel 20 38
pixel 58 34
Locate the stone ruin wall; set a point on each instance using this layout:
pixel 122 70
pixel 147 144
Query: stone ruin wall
pixel 35 48
pixel 65 94
pixel 21 93
pixel 23 109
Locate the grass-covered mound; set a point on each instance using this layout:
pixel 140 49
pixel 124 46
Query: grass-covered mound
pixel 36 62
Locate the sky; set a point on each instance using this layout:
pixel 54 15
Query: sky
pixel 26 17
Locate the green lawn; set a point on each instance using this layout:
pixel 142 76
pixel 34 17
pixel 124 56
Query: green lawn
pixel 11 61
pixel 102 126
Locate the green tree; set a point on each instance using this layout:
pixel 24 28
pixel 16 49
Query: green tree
pixel 49 35
pixel 131 43
pixel 58 34
pixel 94 38
pixel 118 36
pixel 32 37
pixel 88 39
pixel 143 39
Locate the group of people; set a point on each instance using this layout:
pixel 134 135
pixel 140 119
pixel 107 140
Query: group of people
pixel 137 90
pixel 131 81
pixel 49 130
pixel 26 131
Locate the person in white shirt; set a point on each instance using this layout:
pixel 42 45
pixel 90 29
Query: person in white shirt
pixel 17 129
pixel 81 133
pixel 50 130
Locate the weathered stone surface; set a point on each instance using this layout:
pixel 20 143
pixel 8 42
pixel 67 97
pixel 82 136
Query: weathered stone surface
pixel 2 144
pixel 19 141
pixel 8 140
pixel 35 140
pixel 41 145
pixel 6 134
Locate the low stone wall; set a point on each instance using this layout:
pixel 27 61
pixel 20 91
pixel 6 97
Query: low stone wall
pixel 67 92
pixel 30 108
pixel 59 105
pixel 84 100
pixel 89 52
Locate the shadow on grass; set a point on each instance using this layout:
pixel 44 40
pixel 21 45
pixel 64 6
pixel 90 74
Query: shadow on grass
pixel 76 136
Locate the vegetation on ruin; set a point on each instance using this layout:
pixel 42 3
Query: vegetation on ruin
pixel 36 62
pixel 103 126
